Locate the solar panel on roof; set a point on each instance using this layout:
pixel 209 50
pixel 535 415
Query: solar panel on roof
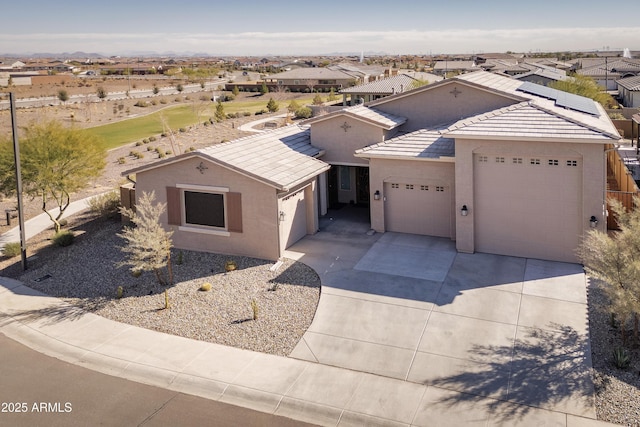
pixel 561 98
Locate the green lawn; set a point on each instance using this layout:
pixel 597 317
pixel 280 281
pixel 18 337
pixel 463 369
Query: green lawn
pixel 135 129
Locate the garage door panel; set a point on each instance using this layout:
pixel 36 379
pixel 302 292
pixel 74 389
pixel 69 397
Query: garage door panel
pixel 530 210
pixel 418 209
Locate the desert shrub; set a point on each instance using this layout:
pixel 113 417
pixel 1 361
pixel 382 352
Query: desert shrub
pixel 154 102
pixel 168 152
pixel 205 287
pixel 246 113
pixel 106 204
pixel 63 238
pixel 161 155
pixel 303 113
pixel 145 141
pixel 621 358
pixel 150 148
pixel 119 292
pixel 152 138
pixel 163 101
pixel 205 123
pixel 183 130
pixel 141 104
pixel 230 265
pixel 11 249
pixel 138 143
pixel 122 160
pixel 163 135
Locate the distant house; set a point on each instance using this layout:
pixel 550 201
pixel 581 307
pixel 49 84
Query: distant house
pixel 442 68
pixel 380 88
pixel 629 91
pixel 495 164
pixel 311 79
pixel 608 71
pixel 542 75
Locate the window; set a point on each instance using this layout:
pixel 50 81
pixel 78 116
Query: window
pixel 572 163
pixel 204 209
pixel 499 159
pixel 409 186
pixel 517 160
pixel 424 187
pixel 395 185
pixel 482 159
pixel 440 189
pixel 535 161
pixel 553 162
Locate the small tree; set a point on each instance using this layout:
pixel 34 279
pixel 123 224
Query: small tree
pixel 264 89
pixel 272 106
pixel 148 244
pixel 219 115
pixel 55 162
pixel 332 95
pixel 63 95
pixel 317 100
pixel 293 107
pixel 585 86
pixel 101 92
pixel 235 90
pixel 179 87
pixel 615 260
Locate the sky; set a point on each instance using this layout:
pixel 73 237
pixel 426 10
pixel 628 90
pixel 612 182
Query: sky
pixel 276 27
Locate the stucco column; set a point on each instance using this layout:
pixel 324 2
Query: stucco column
pixel 464 197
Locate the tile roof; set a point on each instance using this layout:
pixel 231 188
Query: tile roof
pixel 524 120
pixel 362 112
pixel 600 123
pixel 391 85
pixel 422 144
pixel 630 83
pixel 281 158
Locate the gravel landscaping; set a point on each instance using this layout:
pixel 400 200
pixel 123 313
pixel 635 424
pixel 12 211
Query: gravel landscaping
pixel 86 274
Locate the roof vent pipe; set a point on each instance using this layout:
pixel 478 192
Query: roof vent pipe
pixel 401 88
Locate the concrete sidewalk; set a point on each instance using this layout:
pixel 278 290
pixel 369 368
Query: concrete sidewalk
pixel 42 222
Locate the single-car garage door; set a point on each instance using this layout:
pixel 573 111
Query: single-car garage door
pixel 423 208
pixel 528 206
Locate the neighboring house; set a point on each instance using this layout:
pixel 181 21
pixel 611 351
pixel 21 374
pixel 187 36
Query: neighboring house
pixel 442 68
pixel 629 91
pixel 308 79
pixel 378 89
pixel 607 72
pixel 498 165
pixel 542 75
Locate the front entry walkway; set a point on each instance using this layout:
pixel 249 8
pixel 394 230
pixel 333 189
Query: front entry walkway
pixel 501 330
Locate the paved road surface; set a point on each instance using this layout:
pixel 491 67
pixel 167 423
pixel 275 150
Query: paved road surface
pixel 75 396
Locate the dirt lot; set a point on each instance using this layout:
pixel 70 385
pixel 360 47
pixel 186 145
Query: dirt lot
pixel 120 159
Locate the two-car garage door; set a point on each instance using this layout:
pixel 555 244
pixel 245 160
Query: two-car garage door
pixel 528 206
pixel 418 208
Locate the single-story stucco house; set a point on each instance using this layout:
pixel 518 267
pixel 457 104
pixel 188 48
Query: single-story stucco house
pixel 498 165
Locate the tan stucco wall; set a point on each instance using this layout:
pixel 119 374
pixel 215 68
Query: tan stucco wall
pixel 339 145
pixel 437 105
pixel 259 208
pixel 590 197
pixel 406 172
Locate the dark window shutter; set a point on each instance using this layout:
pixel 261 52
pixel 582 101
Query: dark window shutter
pixel 234 212
pixel 173 206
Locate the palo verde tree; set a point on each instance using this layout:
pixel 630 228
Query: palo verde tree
pixel 147 244
pixel 615 260
pixel 55 162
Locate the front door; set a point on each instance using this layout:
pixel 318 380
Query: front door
pixel 362 185
pixel 333 187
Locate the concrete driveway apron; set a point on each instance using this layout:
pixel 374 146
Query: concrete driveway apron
pixel 410 307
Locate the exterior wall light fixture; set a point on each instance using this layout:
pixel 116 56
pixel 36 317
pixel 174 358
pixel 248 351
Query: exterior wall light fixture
pixel 281 216
pixel 376 195
pixel 593 221
pixel 464 211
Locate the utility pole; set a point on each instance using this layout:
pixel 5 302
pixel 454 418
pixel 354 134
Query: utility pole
pixel 16 158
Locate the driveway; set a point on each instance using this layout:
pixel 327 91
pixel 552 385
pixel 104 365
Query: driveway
pixel 499 329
